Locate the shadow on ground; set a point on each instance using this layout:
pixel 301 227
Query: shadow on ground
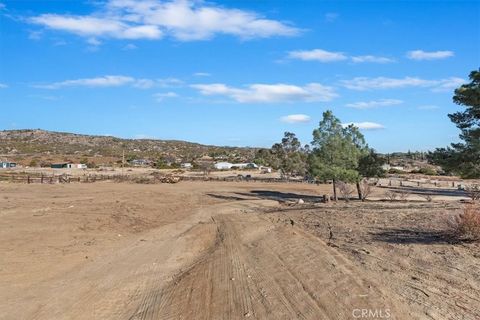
pixel 267 195
pixel 430 191
pixel 408 236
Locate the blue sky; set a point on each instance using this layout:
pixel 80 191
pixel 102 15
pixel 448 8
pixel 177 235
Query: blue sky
pixel 237 72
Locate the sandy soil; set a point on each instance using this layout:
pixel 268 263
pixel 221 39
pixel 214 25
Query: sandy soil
pixel 205 250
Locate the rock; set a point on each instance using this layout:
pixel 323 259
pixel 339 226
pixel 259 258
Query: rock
pixel 300 201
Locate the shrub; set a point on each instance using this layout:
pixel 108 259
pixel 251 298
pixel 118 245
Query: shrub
pixel 345 190
pixel 428 171
pixel 403 194
pixel 390 195
pixel 366 189
pixel 465 226
pixel 473 191
pixel 427 197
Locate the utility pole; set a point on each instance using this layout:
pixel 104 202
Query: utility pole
pixel 123 160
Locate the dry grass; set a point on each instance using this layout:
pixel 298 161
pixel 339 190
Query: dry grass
pixel 465 226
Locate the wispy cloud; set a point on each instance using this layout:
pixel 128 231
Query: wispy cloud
pixel 321 55
pixel 185 20
pixel 372 59
pixel 112 81
pixel 159 97
pixel 296 118
pixel 331 16
pixel 105 81
pixel 3 86
pixel 268 93
pixel 365 83
pixel 365 125
pixel 317 55
pixel 130 46
pixel 202 74
pixel 374 103
pixel 429 55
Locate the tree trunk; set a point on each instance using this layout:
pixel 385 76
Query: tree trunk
pixel 335 191
pixel 359 190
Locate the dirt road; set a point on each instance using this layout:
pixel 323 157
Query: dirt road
pixel 174 252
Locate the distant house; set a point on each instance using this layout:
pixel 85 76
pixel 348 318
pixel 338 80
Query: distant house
pixel 228 165
pixel 223 165
pixel 264 169
pixel 141 162
pixel 7 164
pixel 249 165
pixel 66 165
pixel 186 165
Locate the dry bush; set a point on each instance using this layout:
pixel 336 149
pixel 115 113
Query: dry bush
pixel 345 190
pixel 403 194
pixel 465 226
pixel 390 195
pixel 473 191
pixel 427 197
pixel 366 189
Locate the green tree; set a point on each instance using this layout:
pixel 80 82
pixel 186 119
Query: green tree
pixel 370 165
pixel 289 156
pixel 336 151
pixel 464 158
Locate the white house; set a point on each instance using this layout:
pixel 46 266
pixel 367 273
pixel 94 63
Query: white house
pixel 228 165
pixel 223 165
pixel 186 165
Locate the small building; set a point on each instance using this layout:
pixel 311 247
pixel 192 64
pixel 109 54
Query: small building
pixel 223 165
pixel 7 164
pixel 141 162
pixel 264 169
pixel 186 165
pixel 66 165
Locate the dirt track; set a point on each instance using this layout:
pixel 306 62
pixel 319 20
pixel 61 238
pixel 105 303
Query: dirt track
pixel 186 251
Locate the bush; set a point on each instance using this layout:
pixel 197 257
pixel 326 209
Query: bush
pixel 366 189
pixel 390 195
pixel 345 190
pixel 428 171
pixel 473 191
pixel 465 226
pixel 403 194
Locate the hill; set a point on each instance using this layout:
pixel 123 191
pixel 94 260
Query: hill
pixel 42 145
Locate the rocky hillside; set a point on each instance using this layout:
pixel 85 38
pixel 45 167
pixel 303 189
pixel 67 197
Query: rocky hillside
pixel 27 143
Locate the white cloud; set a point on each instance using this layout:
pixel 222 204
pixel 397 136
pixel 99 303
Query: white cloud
pixel 267 93
pixel 317 55
pixel 296 118
pixel 331 16
pixel 94 42
pixel 130 46
pixel 372 59
pixel 105 81
pixel 374 103
pixel 184 20
pixel 35 35
pixel 202 74
pixel 365 125
pixel 429 55
pixel 144 83
pixel 3 86
pixel 159 97
pixel 365 83
pixel 113 81
pixel 169 82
